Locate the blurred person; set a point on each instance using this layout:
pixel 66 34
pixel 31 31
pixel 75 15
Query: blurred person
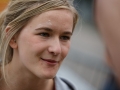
pixel 34 40
pixel 107 17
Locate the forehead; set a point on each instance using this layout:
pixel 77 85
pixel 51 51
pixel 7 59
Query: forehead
pixel 55 13
pixel 59 21
pixel 60 16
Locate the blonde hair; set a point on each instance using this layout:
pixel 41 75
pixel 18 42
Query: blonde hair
pixel 17 14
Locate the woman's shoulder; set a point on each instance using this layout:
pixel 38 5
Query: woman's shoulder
pixel 63 84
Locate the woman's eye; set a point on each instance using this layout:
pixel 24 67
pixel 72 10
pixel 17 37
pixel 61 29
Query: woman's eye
pixel 44 34
pixel 65 38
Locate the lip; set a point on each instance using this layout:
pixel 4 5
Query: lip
pixel 50 61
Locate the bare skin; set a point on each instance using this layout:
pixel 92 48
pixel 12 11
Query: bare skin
pixel 24 83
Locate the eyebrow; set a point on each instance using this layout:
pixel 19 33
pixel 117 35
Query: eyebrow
pixel 44 28
pixel 69 33
pixel 50 30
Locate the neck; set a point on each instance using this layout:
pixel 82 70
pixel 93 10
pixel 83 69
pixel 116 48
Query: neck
pixel 18 79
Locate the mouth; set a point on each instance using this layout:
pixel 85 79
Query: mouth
pixel 50 61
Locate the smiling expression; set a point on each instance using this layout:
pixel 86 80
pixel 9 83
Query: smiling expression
pixel 44 42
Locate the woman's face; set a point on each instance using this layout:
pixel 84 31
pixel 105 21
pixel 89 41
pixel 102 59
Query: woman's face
pixel 44 42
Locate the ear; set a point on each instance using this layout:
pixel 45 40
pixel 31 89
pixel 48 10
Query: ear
pixel 12 42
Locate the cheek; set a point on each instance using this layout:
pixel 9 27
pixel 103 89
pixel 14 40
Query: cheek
pixel 26 45
pixel 65 50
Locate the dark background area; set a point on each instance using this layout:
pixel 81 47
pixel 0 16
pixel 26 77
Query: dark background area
pixel 85 10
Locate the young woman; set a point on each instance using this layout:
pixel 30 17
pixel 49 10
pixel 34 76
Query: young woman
pixel 35 38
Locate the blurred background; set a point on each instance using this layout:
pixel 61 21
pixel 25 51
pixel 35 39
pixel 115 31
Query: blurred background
pixel 85 64
pixel 3 4
pixel 86 59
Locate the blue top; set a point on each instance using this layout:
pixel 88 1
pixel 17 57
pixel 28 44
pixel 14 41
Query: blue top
pixel 111 84
pixel 63 84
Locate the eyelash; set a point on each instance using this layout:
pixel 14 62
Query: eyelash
pixel 44 34
pixel 64 38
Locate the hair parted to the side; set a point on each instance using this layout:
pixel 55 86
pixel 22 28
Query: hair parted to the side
pixel 17 14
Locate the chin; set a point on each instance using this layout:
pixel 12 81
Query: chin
pixel 49 75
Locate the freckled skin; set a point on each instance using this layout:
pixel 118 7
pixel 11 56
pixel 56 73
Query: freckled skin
pixel 32 46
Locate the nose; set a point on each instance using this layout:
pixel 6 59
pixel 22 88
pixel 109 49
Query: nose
pixel 55 47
